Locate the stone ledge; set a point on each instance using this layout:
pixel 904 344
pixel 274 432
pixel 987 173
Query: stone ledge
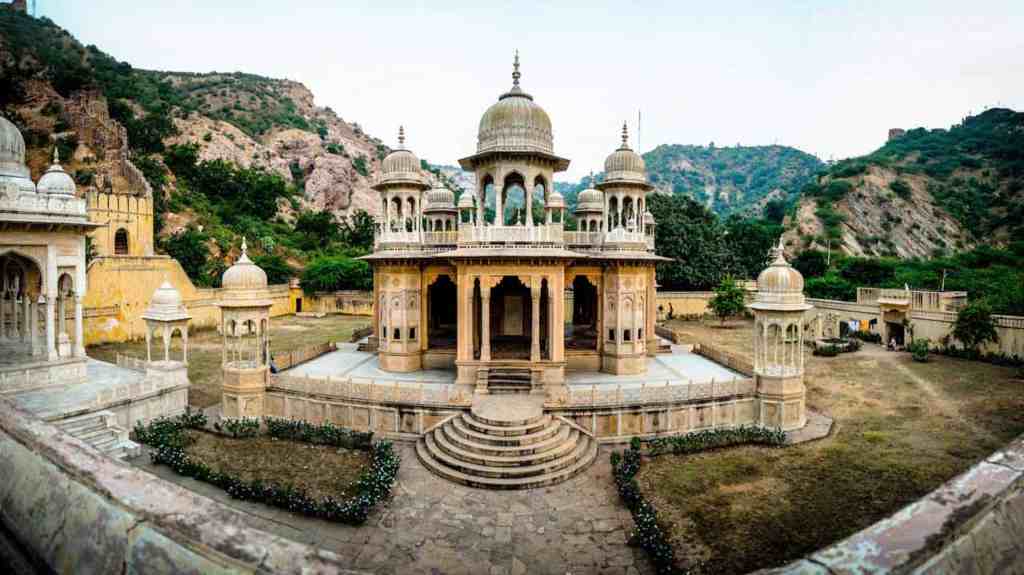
pixel 80 511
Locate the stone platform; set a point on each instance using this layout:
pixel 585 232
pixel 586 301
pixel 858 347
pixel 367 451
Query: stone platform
pixel 508 409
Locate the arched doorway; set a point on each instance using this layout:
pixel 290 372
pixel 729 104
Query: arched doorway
pixel 442 303
pixel 121 242
pixel 583 331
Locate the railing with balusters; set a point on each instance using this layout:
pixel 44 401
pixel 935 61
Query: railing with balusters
pixel 367 389
pixel 548 233
pixel 655 393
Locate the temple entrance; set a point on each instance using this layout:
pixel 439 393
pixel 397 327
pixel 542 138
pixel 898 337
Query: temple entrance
pixel 583 326
pixel 510 319
pixel 22 339
pixel 441 320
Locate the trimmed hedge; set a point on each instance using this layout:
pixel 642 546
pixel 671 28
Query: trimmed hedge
pixel 648 532
pixel 715 439
pixel 373 486
pixel 318 434
pixel 867 336
pixel 239 428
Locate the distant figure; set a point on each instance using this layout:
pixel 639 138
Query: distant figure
pixel 892 344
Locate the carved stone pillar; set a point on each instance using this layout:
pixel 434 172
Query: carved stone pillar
pixel 485 320
pixel 535 320
pixel 51 336
pixel 79 341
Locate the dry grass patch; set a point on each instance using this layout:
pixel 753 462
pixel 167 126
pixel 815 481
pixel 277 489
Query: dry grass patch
pixel 319 470
pixel 287 333
pixel 902 429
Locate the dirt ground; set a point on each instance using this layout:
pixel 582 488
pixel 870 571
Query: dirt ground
pixel 901 429
pixel 204 348
pixel 320 470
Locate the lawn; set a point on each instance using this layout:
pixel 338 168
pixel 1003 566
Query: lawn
pixel 204 348
pixel 319 470
pixel 901 429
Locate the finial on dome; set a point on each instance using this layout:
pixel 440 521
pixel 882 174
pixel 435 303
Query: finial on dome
pixel 778 253
pixel 245 248
pixel 625 135
pixel 56 155
pixel 515 71
pixel 401 137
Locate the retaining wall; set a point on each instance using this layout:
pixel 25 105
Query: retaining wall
pixel 77 511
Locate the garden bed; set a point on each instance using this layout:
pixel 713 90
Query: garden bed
pixel 318 470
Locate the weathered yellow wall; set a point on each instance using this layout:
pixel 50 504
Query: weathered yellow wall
pixel 346 302
pixel 120 289
pixel 134 214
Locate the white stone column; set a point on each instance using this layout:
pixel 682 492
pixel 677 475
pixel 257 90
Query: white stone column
pixel 79 340
pixel 33 327
pixel 485 320
pixel 499 208
pixel 535 320
pixel 51 335
pixel 529 206
pixel 26 332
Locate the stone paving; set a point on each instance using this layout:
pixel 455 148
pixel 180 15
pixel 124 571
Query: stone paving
pixel 434 526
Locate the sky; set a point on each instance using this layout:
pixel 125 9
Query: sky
pixel 827 77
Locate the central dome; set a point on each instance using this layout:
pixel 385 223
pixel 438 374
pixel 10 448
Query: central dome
pixel 515 123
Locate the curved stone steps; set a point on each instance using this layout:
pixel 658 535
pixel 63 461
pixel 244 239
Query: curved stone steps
pixel 501 440
pixel 475 424
pixel 486 449
pixel 531 482
pixel 558 450
pixel 526 449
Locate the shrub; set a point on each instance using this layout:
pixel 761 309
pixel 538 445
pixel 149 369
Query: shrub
pixel 728 300
pixel 318 434
pixel 867 336
pixel 919 349
pixel 715 439
pixel 900 188
pixel 648 532
pixel 974 325
pixel 827 351
pixel 244 427
pixel 360 166
pixel 332 273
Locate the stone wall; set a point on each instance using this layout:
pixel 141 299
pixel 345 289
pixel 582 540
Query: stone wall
pixel 349 302
pixel 120 289
pixel 79 511
pixel 974 523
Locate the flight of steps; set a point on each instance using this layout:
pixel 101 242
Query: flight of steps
pixel 508 380
pixel 506 448
pixel 100 430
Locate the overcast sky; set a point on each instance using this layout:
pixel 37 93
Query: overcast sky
pixel 828 77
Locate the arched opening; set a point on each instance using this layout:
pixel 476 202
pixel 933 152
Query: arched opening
pixel 20 281
pixel 628 206
pixel 485 197
pixel 613 213
pixel 442 303
pixel 509 319
pixel 121 242
pixel 410 218
pixel 540 198
pixel 512 201
pixel 583 331
pixel 396 214
pixel 545 320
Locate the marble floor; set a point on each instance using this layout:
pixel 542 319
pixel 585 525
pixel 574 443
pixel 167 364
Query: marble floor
pixel 67 399
pixel 678 368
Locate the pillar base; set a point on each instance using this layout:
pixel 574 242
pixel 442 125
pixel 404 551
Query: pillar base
pixel 624 364
pixel 782 402
pixel 400 362
pixel 243 391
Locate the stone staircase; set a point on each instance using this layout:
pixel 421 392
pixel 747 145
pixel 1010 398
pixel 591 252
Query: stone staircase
pixel 508 380
pixel 100 430
pixel 506 442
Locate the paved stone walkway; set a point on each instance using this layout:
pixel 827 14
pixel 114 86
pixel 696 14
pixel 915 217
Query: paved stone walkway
pixel 434 526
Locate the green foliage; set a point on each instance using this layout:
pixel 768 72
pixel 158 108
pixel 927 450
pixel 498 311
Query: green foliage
pixel 827 351
pixel 696 241
pixel 332 273
pixel 360 166
pixel 730 180
pixel 189 247
pixel 314 229
pixel 277 268
pixel 919 349
pixel 775 211
pixel 811 263
pixel 975 326
pixel 357 231
pixel 239 428
pixel 318 434
pixel 716 439
pixel 900 188
pixel 728 300
pixel 749 242
pixel 830 286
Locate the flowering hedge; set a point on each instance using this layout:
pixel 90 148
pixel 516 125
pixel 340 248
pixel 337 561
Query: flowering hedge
pixel 373 486
pixel 318 434
pixel 715 438
pixel 648 532
pixel 238 428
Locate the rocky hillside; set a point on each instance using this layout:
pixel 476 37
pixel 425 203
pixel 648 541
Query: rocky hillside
pixel 924 192
pixel 727 180
pixel 109 119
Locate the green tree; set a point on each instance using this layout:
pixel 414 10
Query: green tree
pixel 189 248
pixel 749 242
pixel 974 325
pixel 332 273
pixel 695 240
pixel 357 231
pixel 811 263
pixel 316 230
pixel 277 268
pixel 830 286
pixel 728 300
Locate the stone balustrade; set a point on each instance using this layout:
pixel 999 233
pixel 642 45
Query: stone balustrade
pixel 33 203
pixel 367 389
pixel 443 238
pixel 655 393
pixel 540 234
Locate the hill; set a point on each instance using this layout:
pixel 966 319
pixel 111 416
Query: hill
pixel 923 193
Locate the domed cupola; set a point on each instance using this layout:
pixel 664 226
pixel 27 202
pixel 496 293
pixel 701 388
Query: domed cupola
pixel 244 274
pixel 440 197
pixel 56 181
pixel 624 165
pixel 590 200
pixel 401 166
pixel 14 174
pixel 780 286
pixel 515 123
